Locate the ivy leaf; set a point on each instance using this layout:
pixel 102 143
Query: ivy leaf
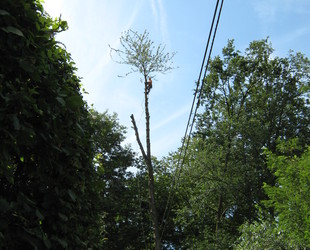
pixel 4 13
pixel 72 195
pixel 11 29
pixel 63 217
pixel 61 100
pixel 4 205
pixel 62 242
pixel 27 66
pixel 39 215
pixel 47 243
pixel 75 101
pixel 16 123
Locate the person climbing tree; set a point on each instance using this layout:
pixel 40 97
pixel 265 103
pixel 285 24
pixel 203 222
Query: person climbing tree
pixel 149 85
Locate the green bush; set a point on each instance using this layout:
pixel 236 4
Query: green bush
pixel 48 190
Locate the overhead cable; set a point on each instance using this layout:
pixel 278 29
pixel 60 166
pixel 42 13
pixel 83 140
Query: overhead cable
pixel 193 112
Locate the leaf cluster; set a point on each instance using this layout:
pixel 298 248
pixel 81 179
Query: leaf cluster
pixel 289 197
pixel 139 52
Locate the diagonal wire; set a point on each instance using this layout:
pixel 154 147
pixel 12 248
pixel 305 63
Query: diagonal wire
pixel 191 123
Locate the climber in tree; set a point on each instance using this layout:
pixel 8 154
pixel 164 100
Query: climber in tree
pixel 149 85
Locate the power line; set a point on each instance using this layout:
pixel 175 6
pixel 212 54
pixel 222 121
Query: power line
pixel 192 116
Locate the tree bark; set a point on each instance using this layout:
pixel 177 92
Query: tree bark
pixel 147 159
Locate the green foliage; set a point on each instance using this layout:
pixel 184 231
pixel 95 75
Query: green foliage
pixel 119 203
pixel 290 195
pixel 139 52
pixel 125 207
pixel 64 180
pixel 249 101
pixel 262 234
pixel 48 189
pixel 171 235
pixel 287 227
pixel 207 212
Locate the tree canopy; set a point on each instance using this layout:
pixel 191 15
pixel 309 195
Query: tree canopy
pixel 249 102
pixel 139 52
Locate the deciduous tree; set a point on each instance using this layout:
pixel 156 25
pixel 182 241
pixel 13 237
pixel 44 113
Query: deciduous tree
pixel 290 195
pixel 249 101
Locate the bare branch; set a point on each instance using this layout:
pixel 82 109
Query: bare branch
pixel 138 138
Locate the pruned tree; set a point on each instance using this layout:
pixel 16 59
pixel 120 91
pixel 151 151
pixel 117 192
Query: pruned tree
pixel 139 51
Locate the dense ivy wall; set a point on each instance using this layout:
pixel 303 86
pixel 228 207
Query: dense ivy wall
pixel 48 188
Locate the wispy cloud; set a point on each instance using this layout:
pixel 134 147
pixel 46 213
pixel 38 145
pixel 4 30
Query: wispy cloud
pixel 163 21
pixel 171 118
pixel 269 10
pixel 160 17
pixel 161 144
pixel 285 40
pixel 297 34
pixel 114 35
pixel 154 10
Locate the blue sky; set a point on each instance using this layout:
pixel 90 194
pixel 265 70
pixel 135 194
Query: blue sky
pixel 183 26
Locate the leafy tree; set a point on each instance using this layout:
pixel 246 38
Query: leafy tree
pixel 248 102
pixel 262 234
pixel 126 220
pixel 48 186
pixel 290 196
pixel 288 226
pixel 138 51
pixel 207 198
pixel 119 204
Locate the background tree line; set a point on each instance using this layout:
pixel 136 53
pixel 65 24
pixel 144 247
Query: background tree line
pixel 64 173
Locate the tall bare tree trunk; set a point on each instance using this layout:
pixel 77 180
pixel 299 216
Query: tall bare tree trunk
pixel 148 161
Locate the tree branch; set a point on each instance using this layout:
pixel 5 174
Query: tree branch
pixel 138 138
